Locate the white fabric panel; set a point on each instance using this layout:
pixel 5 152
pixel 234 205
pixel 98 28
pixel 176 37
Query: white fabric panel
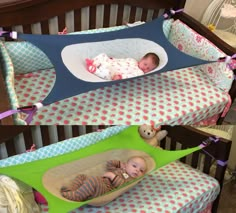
pixel 73 56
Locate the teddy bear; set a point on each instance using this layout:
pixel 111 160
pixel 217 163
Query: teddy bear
pixel 152 135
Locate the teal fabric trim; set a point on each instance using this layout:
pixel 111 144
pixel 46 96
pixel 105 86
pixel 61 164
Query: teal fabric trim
pixel 62 147
pixel 8 72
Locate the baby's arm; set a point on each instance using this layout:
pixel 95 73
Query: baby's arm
pixel 115 179
pixel 113 164
pixel 109 175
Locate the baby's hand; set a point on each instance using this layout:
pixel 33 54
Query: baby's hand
pixel 117 77
pixel 122 165
pixel 109 175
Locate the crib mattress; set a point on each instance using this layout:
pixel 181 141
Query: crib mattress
pixel 175 187
pixel 183 96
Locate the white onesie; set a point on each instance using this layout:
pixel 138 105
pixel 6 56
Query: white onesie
pixel 107 67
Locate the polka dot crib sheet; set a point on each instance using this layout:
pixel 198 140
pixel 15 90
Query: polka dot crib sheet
pixel 183 96
pixel 174 188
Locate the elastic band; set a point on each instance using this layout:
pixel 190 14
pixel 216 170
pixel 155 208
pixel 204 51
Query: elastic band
pixel 30 110
pixel 172 12
pixel 227 60
pixel 9 34
pixel 8 113
pixel 207 142
pixel 176 11
pixel 222 163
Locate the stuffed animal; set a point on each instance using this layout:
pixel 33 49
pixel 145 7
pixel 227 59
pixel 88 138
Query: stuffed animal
pixel 152 135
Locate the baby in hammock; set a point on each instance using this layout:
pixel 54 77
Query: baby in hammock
pixel 109 68
pixel 85 187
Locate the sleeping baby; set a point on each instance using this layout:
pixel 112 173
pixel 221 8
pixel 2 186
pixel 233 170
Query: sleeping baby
pixel 109 68
pixel 85 187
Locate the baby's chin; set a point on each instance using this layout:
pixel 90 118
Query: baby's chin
pixel 135 175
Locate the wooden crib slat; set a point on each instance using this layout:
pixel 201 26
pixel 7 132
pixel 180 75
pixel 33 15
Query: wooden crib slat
pixel 7 28
pixel 27 28
pixel 45 27
pixel 207 164
pixel 163 143
pixel 106 16
pixel 155 14
pixel 10 146
pixel 144 15
pixel 75 131
pixel 132 14
pixel 61 22
pixel 77 20
pixel 9 132
pixel 183 146
pixel 219 171
pixel 61 133
pixel 173 145
pixel 89 128
pixel 92 19
pixel 195 159
pixel 28 139
pixel 45 135
pixel 219 175
pixel 120 14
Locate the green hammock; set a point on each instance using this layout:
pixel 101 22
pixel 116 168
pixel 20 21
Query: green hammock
pixel 34 173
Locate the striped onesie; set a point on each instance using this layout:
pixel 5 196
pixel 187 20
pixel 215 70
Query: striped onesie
pixel 85 187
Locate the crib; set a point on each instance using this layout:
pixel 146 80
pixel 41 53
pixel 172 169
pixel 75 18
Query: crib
pixel 162 98
pixel 173 179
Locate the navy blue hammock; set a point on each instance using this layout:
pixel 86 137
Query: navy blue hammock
pixel 68 53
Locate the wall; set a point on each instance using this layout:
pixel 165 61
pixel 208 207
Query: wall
pixel 232 158
pixel 196 8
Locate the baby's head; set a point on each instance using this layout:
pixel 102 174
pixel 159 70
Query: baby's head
pixel 148 62
pixel 136 167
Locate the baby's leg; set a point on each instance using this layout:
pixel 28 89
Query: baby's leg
pixel 103 72
pixel 84 192
pixel 76 183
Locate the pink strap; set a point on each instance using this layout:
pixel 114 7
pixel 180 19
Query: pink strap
pixel 229 60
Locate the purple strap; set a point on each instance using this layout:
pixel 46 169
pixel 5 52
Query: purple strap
pixel 12 34
pixel 30 110
pixel 233 56
pixel 214 139
pixel 227 60
pixel 172 12
pixel 219 162
pixel 222 163
pixel 207 142
pixel 30 113
pixel 208 153
pixel 8 113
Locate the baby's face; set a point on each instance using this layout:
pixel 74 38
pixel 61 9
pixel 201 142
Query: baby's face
pixel 146 64
pixel 136 167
